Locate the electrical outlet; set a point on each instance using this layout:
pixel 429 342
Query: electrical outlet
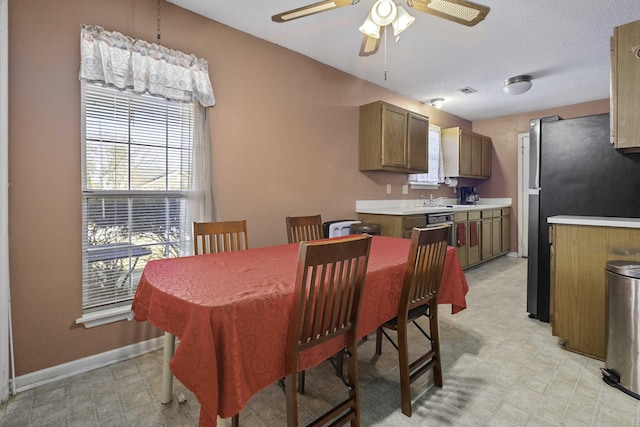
pixel 388 188
pixel 405 189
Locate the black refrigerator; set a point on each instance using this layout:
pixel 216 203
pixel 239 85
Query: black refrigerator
pixel 574 170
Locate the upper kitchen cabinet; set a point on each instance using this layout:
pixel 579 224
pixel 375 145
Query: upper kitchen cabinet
pixel 466 154
pixel 625 87
pixel 392 139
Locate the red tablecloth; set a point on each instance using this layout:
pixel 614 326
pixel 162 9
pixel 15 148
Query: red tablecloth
pixel 231 311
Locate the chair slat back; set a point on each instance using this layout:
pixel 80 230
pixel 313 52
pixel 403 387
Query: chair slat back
pixel 222 236
pixel 304 228
pixel 425 264
pixel 328 292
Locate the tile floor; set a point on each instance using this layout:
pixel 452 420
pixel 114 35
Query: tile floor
pixel 500 369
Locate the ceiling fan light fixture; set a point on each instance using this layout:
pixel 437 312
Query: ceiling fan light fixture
pixel 370 28
pixel 383 12
pixel 437 102
pixel 402 22
pixel 517 85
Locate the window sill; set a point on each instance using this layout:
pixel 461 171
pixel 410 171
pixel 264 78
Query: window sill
pixel 102 317
pixel 423 186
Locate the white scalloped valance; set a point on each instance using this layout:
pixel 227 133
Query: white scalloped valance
pixel 127 63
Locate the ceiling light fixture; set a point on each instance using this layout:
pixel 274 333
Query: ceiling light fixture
pixel 383 13
pixel 517 85
pixel 437 102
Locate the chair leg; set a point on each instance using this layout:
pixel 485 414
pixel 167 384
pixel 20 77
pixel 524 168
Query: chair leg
pixel 301 382
pixel 235 420
pixel 340 363
pixel 435 345
pixel 403 361
pixel 379 341
pixel 354 392
pixel 292 399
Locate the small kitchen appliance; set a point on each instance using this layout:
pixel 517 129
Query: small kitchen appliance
pixel 468 195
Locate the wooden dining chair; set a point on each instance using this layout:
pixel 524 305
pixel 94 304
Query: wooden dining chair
pixel 326 305
pixel 419 297
pixel 222 236
pixel 304 228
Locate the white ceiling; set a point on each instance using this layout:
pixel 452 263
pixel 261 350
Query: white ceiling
pixel 562 44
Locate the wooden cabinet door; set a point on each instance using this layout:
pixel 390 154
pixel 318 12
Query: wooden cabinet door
pixel 473 254
pixel 625 85
pixel 486 238
pixel 394 134
pixel 485 167
pixel 496 236
pixel 463 248
pixel 418 140
pixel 506 232
pixel 476 155
pixel 460 218
pixel 465 154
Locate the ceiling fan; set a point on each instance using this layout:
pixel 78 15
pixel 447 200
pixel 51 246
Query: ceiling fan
pixel 385 12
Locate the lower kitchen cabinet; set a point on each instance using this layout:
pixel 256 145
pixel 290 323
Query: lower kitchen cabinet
pixel 486 231
pixel 487 235
pixel 395 225
pixel 579 254
pixel 468 245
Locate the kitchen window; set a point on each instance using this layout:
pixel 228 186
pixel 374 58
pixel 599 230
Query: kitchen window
pixel 137 165
pixel 436 168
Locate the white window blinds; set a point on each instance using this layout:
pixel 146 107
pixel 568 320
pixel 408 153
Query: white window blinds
pixel 137 174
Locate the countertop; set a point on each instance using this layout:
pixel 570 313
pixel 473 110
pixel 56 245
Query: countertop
pixel 415 206
pixel 597 221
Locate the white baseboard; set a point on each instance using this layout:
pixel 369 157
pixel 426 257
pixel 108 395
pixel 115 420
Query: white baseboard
pixel 65 370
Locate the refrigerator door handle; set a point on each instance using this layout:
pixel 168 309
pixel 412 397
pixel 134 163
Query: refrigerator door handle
pixel 536 184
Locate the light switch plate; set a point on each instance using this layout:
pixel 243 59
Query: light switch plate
pixel 405 189
pixel 388 188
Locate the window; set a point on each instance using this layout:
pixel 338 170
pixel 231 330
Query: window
pixel 137 173
pixel 436 170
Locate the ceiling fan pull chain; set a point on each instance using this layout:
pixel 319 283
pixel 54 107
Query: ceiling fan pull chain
pixel 385 55
pixel 158 20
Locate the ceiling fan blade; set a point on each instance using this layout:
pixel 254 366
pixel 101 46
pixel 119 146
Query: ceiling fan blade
pixel 311 9
pixel 370 44
pixel 460 11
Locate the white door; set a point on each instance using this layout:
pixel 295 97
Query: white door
pixel 523 194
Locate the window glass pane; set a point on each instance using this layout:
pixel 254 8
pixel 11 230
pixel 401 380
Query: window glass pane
pixel 148 168
pixel 107 166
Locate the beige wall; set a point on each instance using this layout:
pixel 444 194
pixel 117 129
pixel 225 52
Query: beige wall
pixel 504 135
pixel 284 133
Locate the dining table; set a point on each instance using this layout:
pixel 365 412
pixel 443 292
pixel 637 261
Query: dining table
pixel 230 312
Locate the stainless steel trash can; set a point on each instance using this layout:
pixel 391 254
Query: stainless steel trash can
pixel 622 363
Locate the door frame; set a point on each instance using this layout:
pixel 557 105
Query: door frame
pixel 5 312
pixel 523 194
